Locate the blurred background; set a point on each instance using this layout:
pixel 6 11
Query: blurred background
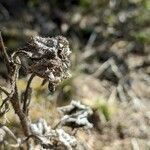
pixel 110 44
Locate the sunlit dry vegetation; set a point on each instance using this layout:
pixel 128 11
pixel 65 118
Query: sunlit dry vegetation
pixel 108 70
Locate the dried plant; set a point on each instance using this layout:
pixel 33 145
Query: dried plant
pixel 48 58
pixel 76 115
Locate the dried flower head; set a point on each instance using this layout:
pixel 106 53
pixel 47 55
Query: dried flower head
pixel 76 115
pixel 50 59
pixel 50 138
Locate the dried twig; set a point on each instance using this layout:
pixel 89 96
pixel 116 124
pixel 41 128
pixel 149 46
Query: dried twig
pixel 102 68
pixel 3 90
pixel 9 132
pixel 27 97
pixel 3 51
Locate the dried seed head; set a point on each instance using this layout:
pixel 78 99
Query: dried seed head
pixel 50 58
pixel 49 47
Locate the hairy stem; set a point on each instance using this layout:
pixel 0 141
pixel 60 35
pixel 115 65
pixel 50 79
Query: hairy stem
pixel 26 99
pixel 23 118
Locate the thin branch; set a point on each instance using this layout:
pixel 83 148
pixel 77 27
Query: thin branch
pixel 23 118
pixel 3 90
pixel 3 51
pixel 30 136
pixel 26 100
pixel 16 102
pixel 91 40
pixel 11 134
pixel 5 102
pixel 121 93
pixel 115 69
pixel 102 68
